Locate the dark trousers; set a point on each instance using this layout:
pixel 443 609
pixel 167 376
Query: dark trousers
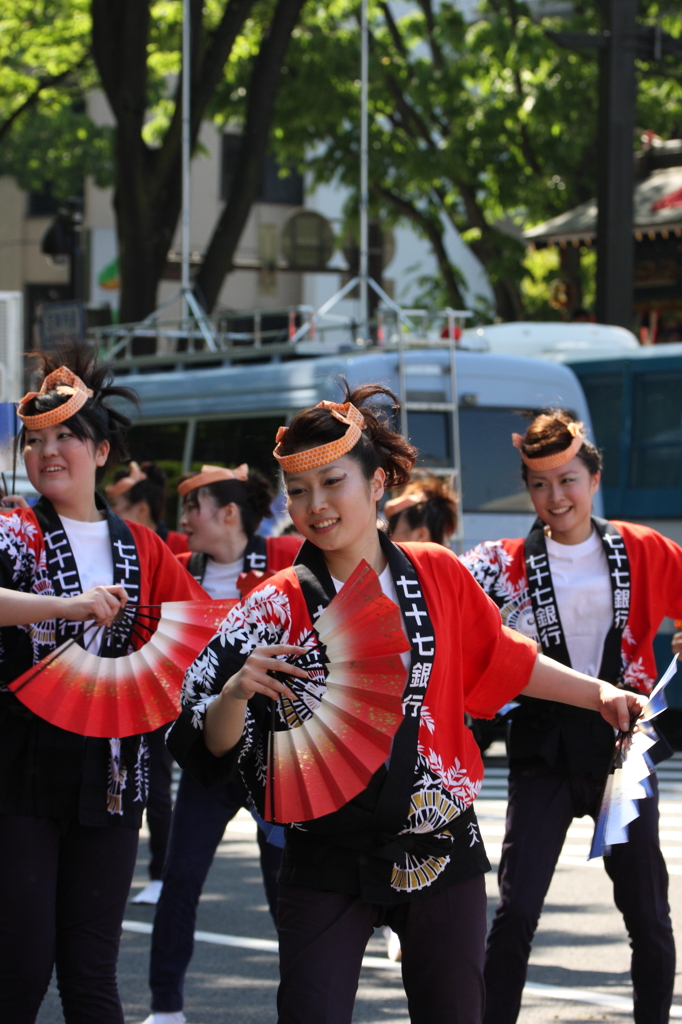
pixel 63 892
pixel 322 939
pixel 159 803
pixel 199 820
pixel 541 808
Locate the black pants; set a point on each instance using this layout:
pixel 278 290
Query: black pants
pixel 159 803
pixel 63 891
pixel 541 808
pixel 322 939
pixel 199 820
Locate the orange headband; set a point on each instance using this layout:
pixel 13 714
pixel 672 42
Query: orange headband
pixel 320 456
pixel 126 483
pixel 212 475
pixel 559 458
pixel 64 382
pixel 404 501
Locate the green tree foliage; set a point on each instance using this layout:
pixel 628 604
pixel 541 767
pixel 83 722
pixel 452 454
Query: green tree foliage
pixel 47 141
pixel 52 52
pixel 488 124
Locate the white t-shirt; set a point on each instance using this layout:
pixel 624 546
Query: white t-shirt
pixel 220 579
pixel 91 546
pixel 388 587
pixel 580 575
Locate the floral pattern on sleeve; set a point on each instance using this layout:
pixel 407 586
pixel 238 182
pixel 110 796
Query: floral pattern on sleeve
pixel 261 620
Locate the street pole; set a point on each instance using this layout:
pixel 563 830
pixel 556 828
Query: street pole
pixel 186 155
pixel 616 174
pixel 364 178
pixel 189 302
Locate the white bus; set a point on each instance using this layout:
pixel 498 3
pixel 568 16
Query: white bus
pixel 230 413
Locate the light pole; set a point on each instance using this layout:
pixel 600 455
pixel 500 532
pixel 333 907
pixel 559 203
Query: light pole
pixel 186 156
pixel 189 302
pixel 364 178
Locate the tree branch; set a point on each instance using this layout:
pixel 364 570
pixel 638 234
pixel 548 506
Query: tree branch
pixel 433 232
pixel 394 30
pixel 47 82
pixel 436 52
pixel 207 70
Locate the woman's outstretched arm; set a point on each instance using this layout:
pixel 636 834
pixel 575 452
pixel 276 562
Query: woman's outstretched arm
pixel 551 681
pixel 101 605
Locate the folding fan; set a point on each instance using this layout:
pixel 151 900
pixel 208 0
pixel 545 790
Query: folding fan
pixel 83 693
pixel 340 732
pixel 632 765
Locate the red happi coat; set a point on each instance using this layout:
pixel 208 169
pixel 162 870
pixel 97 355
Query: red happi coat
pixel 478 666
pixel 177 542
pixel 656 592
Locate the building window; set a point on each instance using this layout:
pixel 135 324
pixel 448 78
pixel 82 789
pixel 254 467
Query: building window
pixel 272 188
pixel 491 468
pixel 41 204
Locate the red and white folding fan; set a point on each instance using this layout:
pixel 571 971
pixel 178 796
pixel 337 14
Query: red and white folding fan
pixel 330 753
pixel 83 693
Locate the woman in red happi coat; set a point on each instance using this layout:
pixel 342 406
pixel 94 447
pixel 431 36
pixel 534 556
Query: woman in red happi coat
pixel 592 594
pixel 406 851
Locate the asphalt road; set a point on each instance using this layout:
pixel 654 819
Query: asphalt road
pixel 579 968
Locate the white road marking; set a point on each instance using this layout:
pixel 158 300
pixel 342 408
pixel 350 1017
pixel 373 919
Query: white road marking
pixel 576 995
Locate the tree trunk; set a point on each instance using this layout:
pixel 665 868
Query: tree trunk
pixel 148 182
pixel 262 93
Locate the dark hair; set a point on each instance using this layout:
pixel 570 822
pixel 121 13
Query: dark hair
pixel 379 446
pixel 548 434
pixel 252 496
pixel 437 512
pixel 152 490
pixel 96 421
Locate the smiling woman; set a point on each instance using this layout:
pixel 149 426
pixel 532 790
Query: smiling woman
pixel 592 594
pixel 70 805
pixel 406 851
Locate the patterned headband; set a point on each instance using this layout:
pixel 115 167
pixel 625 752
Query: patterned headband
pixel 64 382
pixel 126 483
pixel 212 475
pixel 324 453
pixel 404 501
pixel 559 458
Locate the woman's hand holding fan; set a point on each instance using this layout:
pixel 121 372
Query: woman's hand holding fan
pixel 256 674
pixel 101 605
pixel 336 733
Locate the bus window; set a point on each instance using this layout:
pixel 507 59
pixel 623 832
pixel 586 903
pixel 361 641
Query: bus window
pixel 164 444
pixel 604 394
pixel 230 442
pixel 431 433
pixel 491 475
pixel 656 433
